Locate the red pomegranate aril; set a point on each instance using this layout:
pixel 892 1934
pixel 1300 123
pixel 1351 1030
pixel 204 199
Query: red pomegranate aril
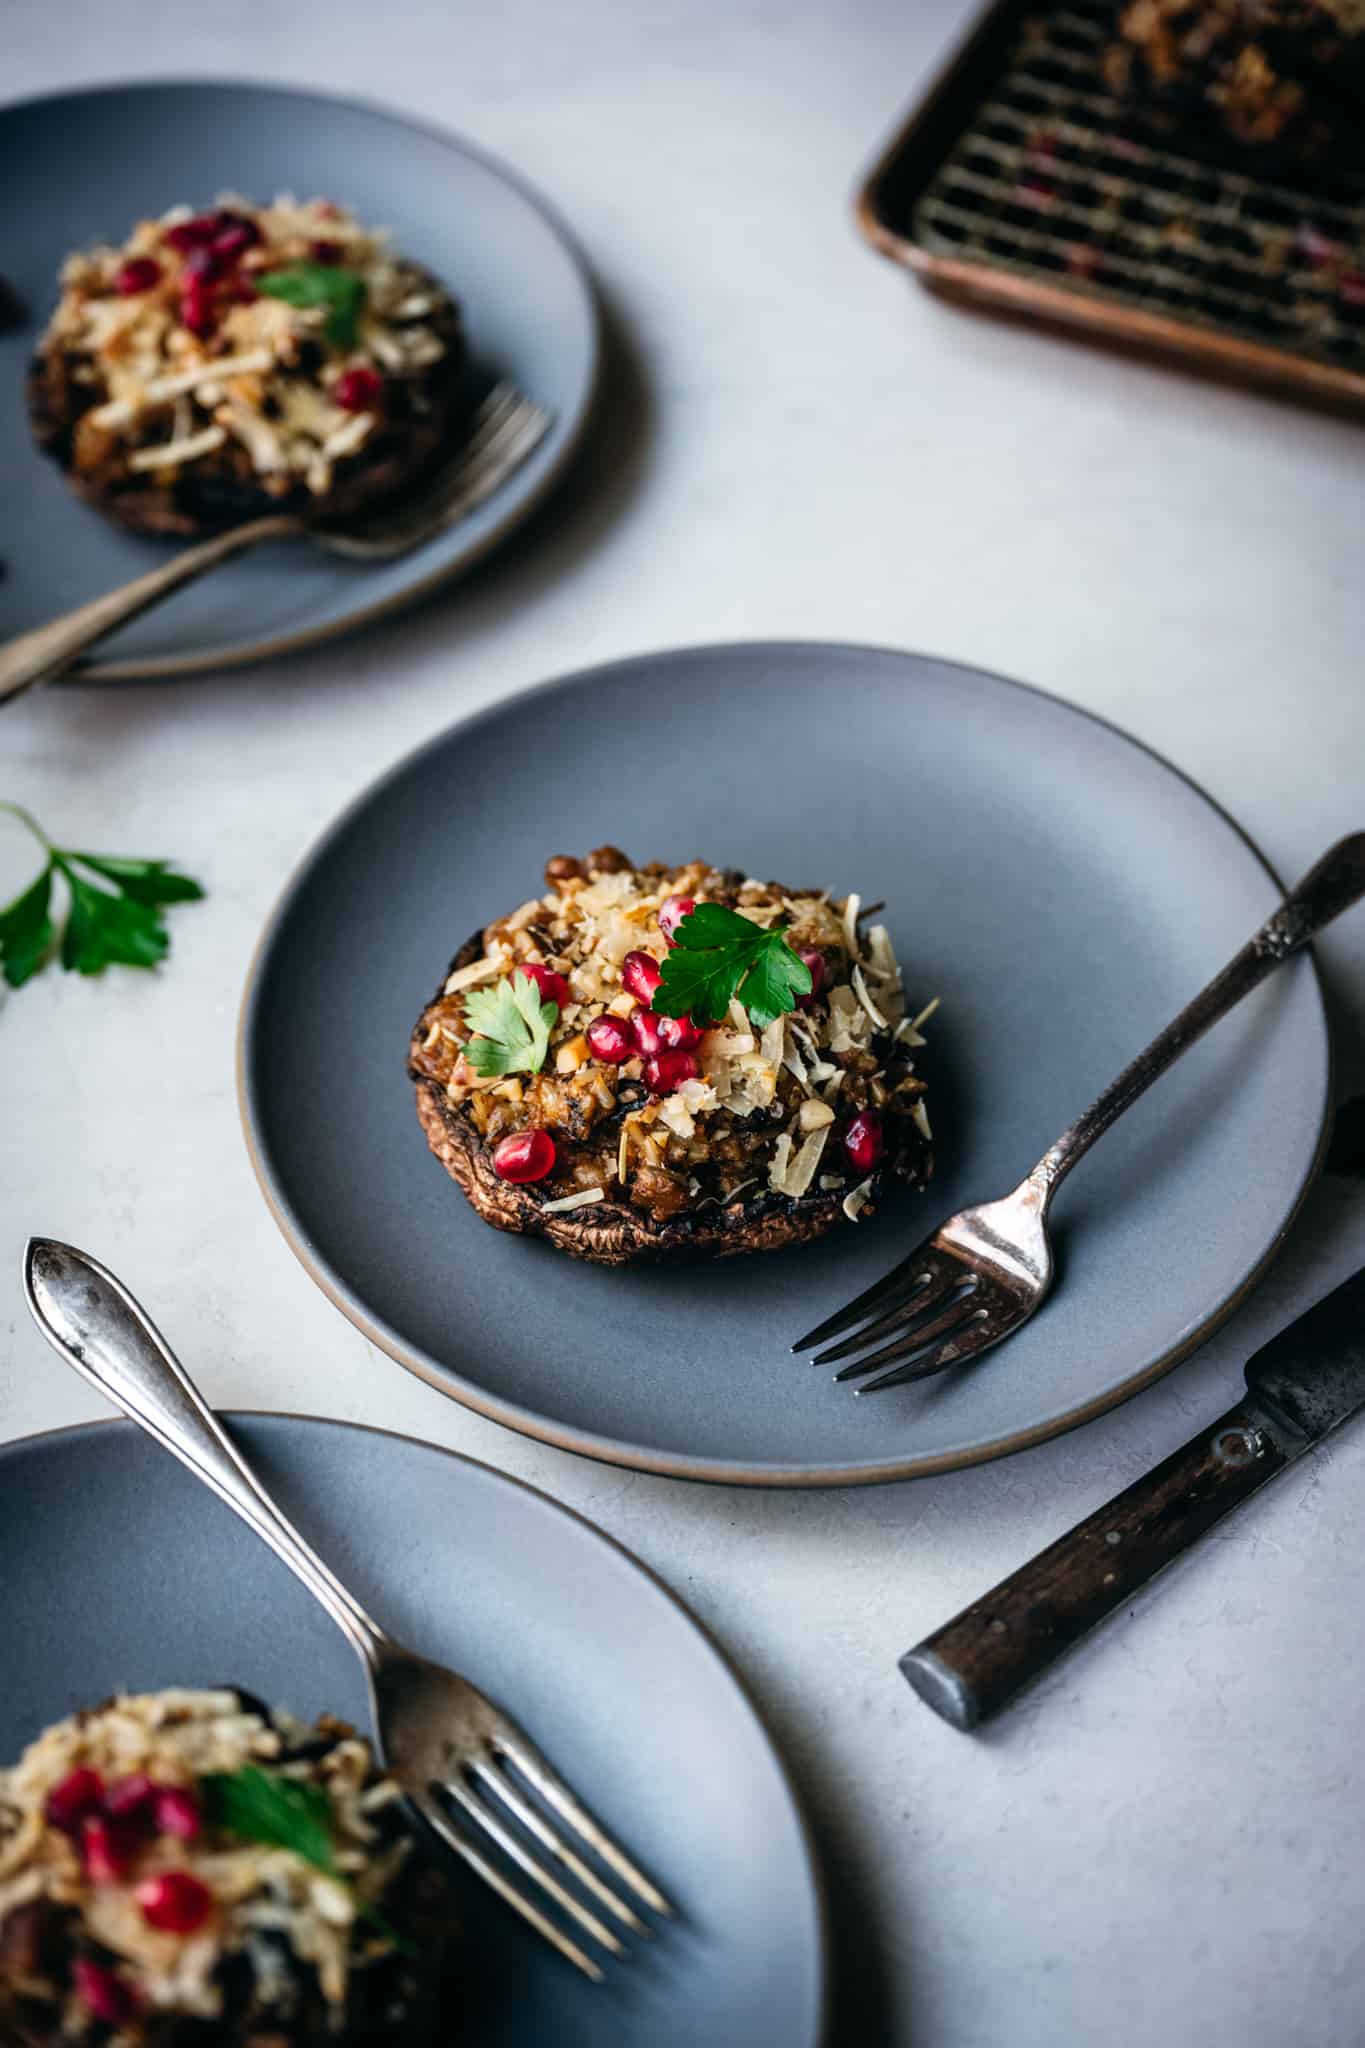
pixel 864 1141
pixel 325 252
pixel 193 234
pixel 609 1040
pixel 204 265
pixel 358 390
pixel 103 1992
pixel 553 987
pixel 235 235
pixel 646 1028
pixel 811 957
pixel 525 1156
pixel 672 911
pixel 668 1070
pixel 196 308
pixel 678 1034
pixel 138 274
pixel 640 976
pixel 108 1846
pixel 174 1902
pixel 176 1811
pixel 80 1794
pixel 132 1798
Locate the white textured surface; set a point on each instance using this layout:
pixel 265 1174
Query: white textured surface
pixel 1163 1843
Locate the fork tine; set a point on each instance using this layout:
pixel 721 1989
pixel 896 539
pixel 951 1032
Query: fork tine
pixel 891 1288
pixel 541 1775
pixel 934 1291
pixel 483 1816
pixel 913 1338
pixel 499 1785
pixel 436 1820
pixel 953 1351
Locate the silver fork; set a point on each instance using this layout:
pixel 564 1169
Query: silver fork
pixel 438 1734
pixel 984 1272
pixel 504 431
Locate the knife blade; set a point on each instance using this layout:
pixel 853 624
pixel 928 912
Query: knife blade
pixel 1307 1381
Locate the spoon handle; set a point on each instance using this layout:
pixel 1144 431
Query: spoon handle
pixel 45 651
pixel 92 1320
pixel 1333 885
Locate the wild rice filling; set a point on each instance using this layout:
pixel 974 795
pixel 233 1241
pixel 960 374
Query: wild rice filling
pixel 121 1893
pixel 766 1111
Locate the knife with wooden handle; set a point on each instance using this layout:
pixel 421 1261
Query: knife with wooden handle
pixel 1300 1386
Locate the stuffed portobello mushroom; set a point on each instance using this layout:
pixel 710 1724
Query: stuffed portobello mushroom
pixel 656 1062
pixel 191 1870
pixel 246 360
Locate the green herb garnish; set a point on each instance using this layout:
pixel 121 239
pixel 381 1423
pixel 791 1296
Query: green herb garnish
pixel 261 1806
pixel 103 925
pixel 717 955
pixel 514 1027
pixel 341 292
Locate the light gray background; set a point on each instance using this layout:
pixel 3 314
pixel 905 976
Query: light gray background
pixel 1163 1844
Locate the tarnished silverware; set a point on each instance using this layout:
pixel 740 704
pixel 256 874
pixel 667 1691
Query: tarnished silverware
pixel 984 1272
pixel 442 1739
pixel 505 430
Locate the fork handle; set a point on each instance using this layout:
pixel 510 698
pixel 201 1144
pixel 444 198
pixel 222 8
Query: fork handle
pixel 1333 885
pixel 93 1321
pixel 974 1665
pixel 32 657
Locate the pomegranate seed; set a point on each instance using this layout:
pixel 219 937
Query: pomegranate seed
pixel 553 987
pixel 1351 286
pixel 811 957
pixel 358 390
pixel 176 1810
pixel 326 252
pixel 175 1902
pixel 108 1846
pixel 242 289
pixel 80 1794
pixel 131 1798
pixel 672 912
pixel 204 265
pixel 526 1155
pixel 193 234
pixel 640 976
pixel 139 274
pixel 668 1070
pixel 678 1034
pixel 196 308
pixel 646 1028
pixel 609 1040
pixel 864 1141
pixel 107 1995
pixel 235 235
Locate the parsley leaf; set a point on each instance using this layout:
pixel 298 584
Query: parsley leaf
pixel 261 1806
pixel 103 924
pixel 716 955
pixel 341 292
pixel 513 1024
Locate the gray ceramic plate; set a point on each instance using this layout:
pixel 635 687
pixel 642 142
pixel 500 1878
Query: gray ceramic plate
pixel 1060 888
pixel 84 166
pixel 598 1660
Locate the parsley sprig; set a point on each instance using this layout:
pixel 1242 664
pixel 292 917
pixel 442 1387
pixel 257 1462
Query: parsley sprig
pixel 104 924
pixel 514 1027
pixel 285 1813
pixel 340 292
pixel 717 955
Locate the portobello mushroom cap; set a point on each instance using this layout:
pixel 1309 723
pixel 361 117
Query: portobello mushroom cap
pixel 615 1232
